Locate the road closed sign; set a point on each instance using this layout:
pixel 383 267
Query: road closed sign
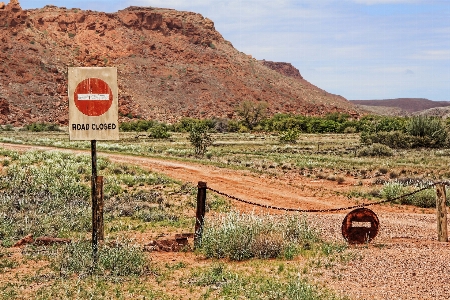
pixel 93 104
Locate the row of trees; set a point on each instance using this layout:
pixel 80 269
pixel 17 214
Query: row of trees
pixel 394 132
pixel 332 123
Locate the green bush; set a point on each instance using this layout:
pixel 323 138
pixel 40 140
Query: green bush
pixel 392 190
pixel 39 127
pixel 375 150
pixel 186 124
pixel 428 132
pixel 160 131
pixel 200 138
pixel 392 139
pixel 289 136
pixel 425 198
pixel 138 126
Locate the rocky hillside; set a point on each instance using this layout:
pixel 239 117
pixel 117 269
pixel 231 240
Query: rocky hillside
pixel 171 64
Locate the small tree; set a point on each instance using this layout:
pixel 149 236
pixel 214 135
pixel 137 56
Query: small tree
pixel 252 113
pixel 200 138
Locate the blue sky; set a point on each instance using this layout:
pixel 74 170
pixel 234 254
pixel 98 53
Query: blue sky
pixel 360 49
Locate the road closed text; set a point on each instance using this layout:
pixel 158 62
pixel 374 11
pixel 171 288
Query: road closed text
pixel 93 126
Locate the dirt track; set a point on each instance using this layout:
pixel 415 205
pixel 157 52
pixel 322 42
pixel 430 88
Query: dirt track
pixel 287 190
pixel 405 261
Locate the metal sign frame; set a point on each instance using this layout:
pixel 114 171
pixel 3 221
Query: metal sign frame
pixel 86 126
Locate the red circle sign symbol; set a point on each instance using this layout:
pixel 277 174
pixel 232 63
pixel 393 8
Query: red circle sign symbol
pixel 93 97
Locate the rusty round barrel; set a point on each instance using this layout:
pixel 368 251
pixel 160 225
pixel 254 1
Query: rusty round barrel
pixel 360 226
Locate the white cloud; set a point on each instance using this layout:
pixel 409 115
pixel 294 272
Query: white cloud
pixel 432 55
pixel 372 2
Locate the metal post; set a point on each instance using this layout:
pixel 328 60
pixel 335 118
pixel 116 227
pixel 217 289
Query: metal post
pixel 200 213
pixel 441 212
pixel 94 201
pixel 99 209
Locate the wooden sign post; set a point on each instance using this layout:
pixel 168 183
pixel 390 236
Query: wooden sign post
pixel 93 115
pixel 441 213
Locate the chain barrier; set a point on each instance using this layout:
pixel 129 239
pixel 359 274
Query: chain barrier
pixel 329 209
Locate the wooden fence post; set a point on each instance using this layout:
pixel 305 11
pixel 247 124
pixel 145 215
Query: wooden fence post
pixel 200 213
pixel 441 212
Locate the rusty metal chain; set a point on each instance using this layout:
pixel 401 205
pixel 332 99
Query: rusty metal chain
pixel 328 209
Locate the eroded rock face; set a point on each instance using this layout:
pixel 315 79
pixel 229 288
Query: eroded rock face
pixel 11 14
pixel 4 107
pixel 286 69
pixel 171 64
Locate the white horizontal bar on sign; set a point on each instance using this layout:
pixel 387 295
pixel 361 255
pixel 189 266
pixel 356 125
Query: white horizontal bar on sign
pixel 93 97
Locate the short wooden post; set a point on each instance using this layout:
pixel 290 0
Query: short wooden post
pixel 98 210
pixel 441 212
pixel 200 213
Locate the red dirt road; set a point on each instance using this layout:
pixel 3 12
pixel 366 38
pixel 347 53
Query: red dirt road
pixel 288 190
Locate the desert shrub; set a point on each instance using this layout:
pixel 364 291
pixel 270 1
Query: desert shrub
pixel 383 170
pixel 425 198
pixel 340 180
pixel 159 131
pixel 427 132
pixel 39 127
pixel 200 138
pixel 138 126
pixel 373 123
pixel 7 127
pixel 242 236
pixel 405 133
pixel 375 150
pixel 187 124
pixel 392 190
pixel 350 129
pixel 321 125
pixel 289 136
pixel 233 126
pixel 393 139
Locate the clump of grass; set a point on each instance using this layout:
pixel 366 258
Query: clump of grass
pixel 225 284
pixel 119 258
pixel 392 190
pixel 425 198
pixel 375 150
pixel 242 236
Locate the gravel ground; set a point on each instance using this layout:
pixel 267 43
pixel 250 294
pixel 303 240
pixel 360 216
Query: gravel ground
pixel 405 260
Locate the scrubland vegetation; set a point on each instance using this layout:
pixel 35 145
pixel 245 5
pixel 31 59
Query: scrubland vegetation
pixel 47 194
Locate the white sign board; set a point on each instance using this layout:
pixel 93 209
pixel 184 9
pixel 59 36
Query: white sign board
pixel 93 104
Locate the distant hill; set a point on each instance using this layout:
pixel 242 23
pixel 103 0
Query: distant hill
pixel 171 64
pixel 403 106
